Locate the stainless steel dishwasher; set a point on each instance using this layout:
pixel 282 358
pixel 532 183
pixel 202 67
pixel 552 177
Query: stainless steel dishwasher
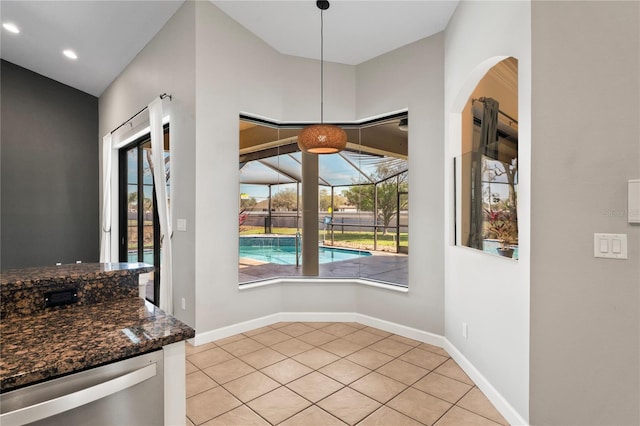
pixel 124 393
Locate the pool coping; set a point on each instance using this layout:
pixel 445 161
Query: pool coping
pixel 319 280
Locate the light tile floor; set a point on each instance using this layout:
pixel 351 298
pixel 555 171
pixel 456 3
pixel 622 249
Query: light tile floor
pixel 322 373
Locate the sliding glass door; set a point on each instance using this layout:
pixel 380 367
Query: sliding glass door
pixel 139 224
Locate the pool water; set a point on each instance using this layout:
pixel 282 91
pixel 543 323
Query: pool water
pixel 286 254
pixel 148 257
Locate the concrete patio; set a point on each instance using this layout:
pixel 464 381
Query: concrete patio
pixel 390 268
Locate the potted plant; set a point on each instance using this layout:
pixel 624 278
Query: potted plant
pixel 500 225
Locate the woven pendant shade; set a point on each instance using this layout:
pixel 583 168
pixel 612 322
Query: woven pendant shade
pixel 322 139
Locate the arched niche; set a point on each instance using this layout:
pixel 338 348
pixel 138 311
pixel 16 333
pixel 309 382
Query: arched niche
pixel 487 159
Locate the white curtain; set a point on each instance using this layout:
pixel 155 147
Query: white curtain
pixel 105 236
pixel 160 183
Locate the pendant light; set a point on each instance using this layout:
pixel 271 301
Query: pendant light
pixel 322 138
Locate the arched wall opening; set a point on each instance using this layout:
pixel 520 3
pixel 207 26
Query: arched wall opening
pixel 476 282
pixel 486 181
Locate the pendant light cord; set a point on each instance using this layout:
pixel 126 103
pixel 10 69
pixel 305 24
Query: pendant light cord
pixel 321 67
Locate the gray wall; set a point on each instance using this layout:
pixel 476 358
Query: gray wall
pixel 585 323
pixel 49 171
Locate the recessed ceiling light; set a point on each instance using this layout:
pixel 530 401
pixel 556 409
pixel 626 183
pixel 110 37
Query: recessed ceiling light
pixel 70 54
pixel 12 28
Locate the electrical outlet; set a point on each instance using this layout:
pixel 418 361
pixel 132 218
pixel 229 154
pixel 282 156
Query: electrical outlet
pixel 465 330
pixel 183 304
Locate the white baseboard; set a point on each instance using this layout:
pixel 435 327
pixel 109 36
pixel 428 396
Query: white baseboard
pixel 318 316
pixel 230 330
pixel 401 330
pixel 501 404
pixel 496 398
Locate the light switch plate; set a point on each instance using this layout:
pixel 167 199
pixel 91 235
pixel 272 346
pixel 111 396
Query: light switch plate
pixel 181 224
pixel 610 246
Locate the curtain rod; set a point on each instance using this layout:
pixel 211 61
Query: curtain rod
pixel 162 96
pixel 500 111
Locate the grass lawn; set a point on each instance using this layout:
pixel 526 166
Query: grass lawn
pixel 253 230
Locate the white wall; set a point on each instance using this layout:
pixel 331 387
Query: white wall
pixel 232 71
pixel 166 64
pixel 216 69
pixel 260 81
pixel 489 293
pixel 235 71
pixel 300 79
pixel 412 77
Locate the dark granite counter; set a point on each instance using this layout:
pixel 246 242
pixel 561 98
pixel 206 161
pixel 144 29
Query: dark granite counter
pixel 23 291
pixel 101 321
pixel 57 342
pixel 45 275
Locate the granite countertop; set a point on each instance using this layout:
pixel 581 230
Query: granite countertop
pixel 25 291
pixel 43 275
pixel 58 342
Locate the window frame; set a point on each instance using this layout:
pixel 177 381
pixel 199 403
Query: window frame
pixel 359 125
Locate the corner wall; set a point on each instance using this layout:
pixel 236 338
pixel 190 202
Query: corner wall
pixel 488 293
pixel 235 72
pixel 412 77
pixel 261 81
pixel 585 312
pixel 167 64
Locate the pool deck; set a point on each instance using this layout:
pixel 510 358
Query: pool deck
pixel 391 268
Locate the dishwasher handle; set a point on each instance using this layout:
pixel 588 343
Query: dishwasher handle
pixel 76 399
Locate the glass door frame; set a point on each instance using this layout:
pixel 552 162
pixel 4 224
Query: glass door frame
pixel 123 184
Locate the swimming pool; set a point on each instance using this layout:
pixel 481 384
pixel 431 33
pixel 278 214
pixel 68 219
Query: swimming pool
pixel 282 251
pixel 132 256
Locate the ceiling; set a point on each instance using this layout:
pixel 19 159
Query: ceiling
pixel 107 35
pixel 354 30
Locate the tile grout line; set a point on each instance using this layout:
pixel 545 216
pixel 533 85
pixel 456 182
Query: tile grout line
pixel 455 404
pixel 376 371
pixel 478 414
pixel 280 384
pixel 386 336
pixel 314 370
